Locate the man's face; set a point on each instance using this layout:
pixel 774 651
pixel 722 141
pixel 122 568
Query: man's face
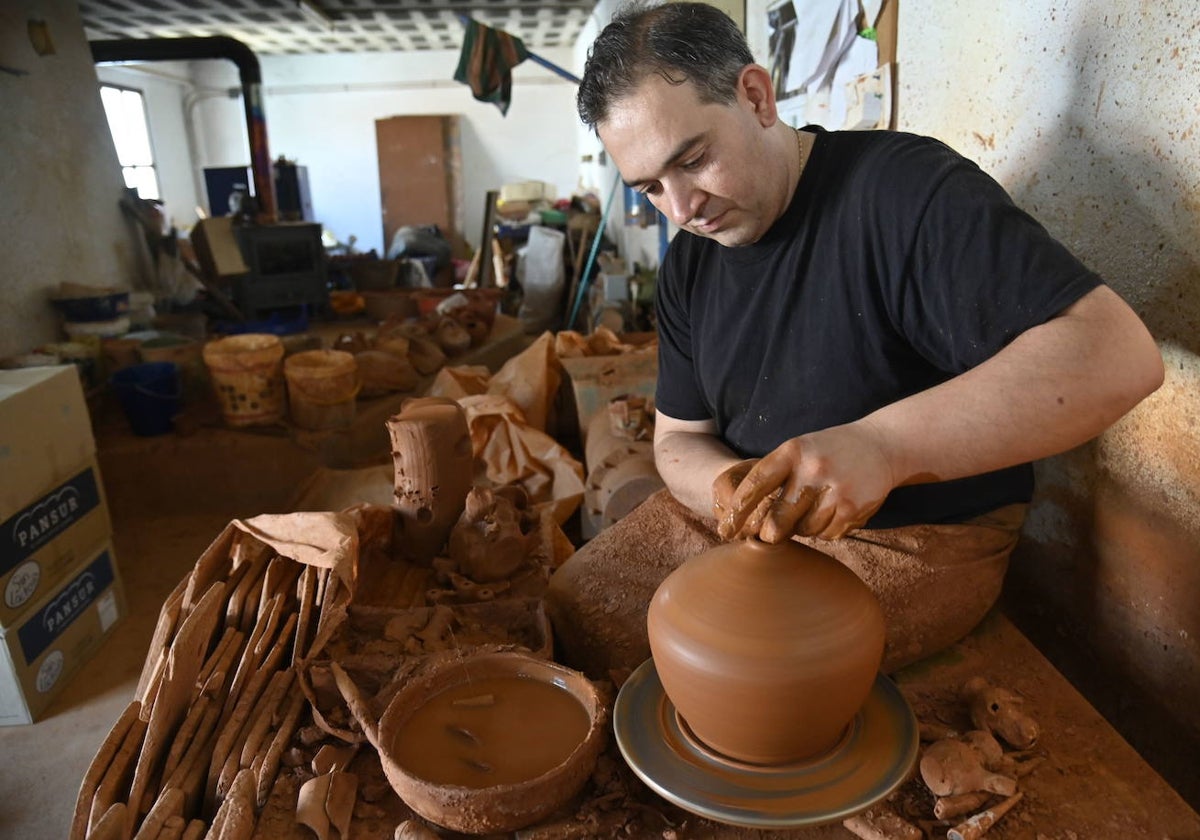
pixel 700 164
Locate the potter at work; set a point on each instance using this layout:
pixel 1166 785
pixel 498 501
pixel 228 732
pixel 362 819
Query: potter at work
pixel 864 343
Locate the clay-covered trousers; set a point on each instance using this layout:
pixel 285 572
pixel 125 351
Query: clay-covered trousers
pixel 934 582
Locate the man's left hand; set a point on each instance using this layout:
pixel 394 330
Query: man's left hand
pixel 821 484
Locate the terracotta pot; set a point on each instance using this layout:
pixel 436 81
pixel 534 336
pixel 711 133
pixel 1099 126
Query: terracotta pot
pixel 503 807
pixel 766 651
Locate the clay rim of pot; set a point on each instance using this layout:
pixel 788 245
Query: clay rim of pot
pixel 498 808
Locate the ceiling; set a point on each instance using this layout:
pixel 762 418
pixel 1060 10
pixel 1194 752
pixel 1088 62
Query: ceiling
pixel 297 27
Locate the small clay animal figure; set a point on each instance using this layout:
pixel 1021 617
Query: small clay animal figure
pixel 1000 712
pixel 950 767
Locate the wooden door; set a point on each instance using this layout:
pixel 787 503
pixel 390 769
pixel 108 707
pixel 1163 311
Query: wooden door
pixel 420 175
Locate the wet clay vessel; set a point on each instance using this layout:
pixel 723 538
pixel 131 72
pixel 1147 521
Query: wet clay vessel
pixel 766 651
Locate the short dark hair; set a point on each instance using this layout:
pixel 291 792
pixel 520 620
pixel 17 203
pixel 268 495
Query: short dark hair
pixel 682 42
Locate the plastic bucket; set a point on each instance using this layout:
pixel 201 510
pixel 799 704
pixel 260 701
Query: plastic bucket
pixel 322 386
pixel 149 395
pixel 183 351
pixel 247 376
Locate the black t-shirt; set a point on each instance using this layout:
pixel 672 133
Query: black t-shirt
pixel 898 265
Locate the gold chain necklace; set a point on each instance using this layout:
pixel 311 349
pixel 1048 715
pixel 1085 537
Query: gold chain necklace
pixel 803 154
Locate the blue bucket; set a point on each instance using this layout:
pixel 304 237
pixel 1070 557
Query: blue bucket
pixel 149 394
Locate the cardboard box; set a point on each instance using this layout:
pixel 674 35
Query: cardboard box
pixel 41 542
pixel 217 249
pixel 52 507
pixel 49 643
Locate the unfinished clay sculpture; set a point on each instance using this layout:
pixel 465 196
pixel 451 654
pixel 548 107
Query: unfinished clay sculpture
pixel 766 651
pixel 432 455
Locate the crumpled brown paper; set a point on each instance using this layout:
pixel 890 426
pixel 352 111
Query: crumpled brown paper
pixel 326 540
pixel 514 452
pixel 569 344
pixel 458 381
pixel 531 379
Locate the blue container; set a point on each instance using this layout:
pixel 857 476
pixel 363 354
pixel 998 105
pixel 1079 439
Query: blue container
pixel 149 395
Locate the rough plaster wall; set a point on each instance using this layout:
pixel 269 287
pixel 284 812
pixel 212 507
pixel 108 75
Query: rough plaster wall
pixel 60 183
pixel 1086 112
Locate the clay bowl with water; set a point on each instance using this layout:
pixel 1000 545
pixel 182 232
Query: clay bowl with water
pixel 493 741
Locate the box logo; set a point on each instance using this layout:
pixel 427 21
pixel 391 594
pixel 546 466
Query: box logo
pixel 23 583
pixel 28 530
pixel 48 623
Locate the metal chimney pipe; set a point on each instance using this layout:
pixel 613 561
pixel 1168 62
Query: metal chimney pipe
pixel 218 46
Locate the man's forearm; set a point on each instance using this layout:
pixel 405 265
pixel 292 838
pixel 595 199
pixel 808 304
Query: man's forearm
pixel 1055 387
pixel 689 462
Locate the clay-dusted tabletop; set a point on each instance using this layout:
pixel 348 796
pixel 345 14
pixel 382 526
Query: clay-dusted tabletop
pixel 1091 785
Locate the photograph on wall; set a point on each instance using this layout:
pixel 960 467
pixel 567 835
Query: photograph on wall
pixel 824 63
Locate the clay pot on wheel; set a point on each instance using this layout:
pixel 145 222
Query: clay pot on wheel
pixel 766 651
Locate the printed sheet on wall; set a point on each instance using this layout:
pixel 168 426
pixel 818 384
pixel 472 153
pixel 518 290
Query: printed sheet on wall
pixel 832 60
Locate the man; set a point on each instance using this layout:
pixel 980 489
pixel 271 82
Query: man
pixel 863 342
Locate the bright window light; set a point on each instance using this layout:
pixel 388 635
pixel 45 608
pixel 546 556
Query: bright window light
pixel 126 111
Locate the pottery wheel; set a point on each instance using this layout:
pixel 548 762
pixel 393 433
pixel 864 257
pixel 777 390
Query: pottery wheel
pixel 874 756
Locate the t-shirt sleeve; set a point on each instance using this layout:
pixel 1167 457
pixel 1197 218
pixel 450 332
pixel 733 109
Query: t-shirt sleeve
pixel 677 393
pixel 982 271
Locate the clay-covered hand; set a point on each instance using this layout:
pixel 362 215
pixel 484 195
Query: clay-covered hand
pixel 821 484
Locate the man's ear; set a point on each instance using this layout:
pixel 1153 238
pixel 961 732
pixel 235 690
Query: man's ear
pixel 754 84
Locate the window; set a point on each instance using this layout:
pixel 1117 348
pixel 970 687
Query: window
pixel 126 111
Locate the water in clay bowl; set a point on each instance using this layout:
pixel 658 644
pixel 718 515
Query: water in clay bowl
pixel 766 651
pixel 491 742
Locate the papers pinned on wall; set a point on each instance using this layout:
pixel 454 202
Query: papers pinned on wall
pixel 828 64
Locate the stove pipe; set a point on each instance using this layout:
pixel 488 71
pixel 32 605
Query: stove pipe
pixel 186 49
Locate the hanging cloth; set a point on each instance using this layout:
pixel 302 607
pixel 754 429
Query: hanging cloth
pixel 486 61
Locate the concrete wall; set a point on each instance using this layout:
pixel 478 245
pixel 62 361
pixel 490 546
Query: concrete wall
pixel 60 183
pixel 1084 111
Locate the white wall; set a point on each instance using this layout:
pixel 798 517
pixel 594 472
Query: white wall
pixel 321 111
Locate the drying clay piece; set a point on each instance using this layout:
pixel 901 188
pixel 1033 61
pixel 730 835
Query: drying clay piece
pixel 333 758
pixel 1000 712
pixel 96 770
pixel 118 774
pixel 413 830
pixel 235 819
pixel 882 823
pixel 950 767
pixel 452 337
pixel 172 828
pixel 433 459
pixel 977 826
pixel 310 806
pixel 339 801
pixel 169 804
pixel 949 807
pixel 111 825
pixel 383 373
pixel 393 345
pixel 486 544
pixel 425 354
pixel 767 651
